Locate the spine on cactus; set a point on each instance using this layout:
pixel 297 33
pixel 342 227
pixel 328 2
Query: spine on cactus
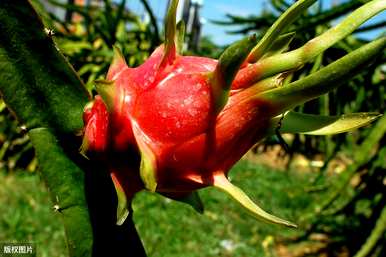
pixel 178 123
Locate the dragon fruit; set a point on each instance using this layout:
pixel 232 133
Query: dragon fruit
pixel 178 123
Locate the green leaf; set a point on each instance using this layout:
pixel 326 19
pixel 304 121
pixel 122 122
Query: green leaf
pixel 123 205
pixel 148 169
pixel 280 45
pixel 106 89
pixel 36 81
pixel 309 51
pixel 286 19
pixel 227 67
pixel 324 80
pixel 65 181
pixel 148 166
pixel 117 65
pixel 236 193
pixel 310 124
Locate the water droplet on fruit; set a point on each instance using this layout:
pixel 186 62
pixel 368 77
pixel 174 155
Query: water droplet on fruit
pixel 192 111
pixel 188 100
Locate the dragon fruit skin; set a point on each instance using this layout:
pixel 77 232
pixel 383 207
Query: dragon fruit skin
pixel 178 123
pixel 172 112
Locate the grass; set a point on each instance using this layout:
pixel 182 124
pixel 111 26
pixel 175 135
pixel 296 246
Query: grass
pixel 169 228
pixel 26 215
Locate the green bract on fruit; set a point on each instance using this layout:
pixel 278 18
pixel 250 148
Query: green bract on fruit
pixel 178 123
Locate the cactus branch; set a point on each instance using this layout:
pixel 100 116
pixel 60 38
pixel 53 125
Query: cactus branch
pixel 67 190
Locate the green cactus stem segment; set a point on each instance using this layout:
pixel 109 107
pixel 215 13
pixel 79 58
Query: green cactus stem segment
pixel 310 124
pixel 36 81
pixel 180 36
pixel 170 34
pixel 66 189
pixel 122 207
pixel 227 67
pixel 296 58
pixel 324 80
pixel 221 182
pixel 284 21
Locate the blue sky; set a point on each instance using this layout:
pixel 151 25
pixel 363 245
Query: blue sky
pixel 216 10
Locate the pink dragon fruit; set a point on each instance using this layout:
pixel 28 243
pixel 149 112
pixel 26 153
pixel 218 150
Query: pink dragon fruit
pixel 178 123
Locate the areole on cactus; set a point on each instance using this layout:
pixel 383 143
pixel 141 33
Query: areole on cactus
pixel 178 123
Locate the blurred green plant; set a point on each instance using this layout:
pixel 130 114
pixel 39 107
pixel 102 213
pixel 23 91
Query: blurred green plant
pixel 16 151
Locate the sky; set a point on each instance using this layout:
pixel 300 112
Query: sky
pixel 217 9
